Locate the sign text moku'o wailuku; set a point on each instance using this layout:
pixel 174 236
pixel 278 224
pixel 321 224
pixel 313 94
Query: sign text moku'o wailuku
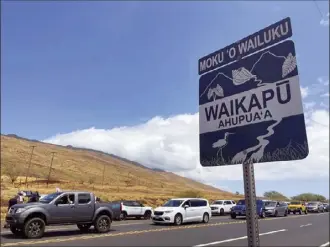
pixel 251 109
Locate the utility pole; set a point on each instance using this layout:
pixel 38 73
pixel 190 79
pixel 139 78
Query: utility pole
pixel 50 168
pixel 103 174
pixel 29 165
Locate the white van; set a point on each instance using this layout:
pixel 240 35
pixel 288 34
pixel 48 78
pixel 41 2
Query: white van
pixel 182 210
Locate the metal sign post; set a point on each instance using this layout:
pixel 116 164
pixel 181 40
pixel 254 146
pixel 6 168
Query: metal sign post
pixel 251 207
pixel 250 110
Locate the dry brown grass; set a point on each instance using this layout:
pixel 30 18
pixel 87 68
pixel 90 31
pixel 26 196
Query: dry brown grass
pixel 82 170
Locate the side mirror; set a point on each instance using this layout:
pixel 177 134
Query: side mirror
pixel 56 203
pixel 186 206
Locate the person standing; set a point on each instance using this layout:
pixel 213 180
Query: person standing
pixel 11 202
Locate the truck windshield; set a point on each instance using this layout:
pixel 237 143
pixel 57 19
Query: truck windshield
pixel 295 203
pixel 241 202
pixel 47 199
pixel 173 203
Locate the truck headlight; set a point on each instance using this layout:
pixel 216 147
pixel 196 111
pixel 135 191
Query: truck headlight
pixel 20 210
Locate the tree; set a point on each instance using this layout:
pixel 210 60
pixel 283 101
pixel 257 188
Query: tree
pixel 274 195
pixel 12 172
pixel 91 180
pixel 309 197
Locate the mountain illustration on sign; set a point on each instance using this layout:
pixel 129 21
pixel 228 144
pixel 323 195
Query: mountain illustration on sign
pixel 241 76
pixel 214 92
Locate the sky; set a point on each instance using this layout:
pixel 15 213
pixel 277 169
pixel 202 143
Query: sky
pixel 122 77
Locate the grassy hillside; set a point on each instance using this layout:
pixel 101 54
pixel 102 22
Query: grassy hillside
pixel 82 169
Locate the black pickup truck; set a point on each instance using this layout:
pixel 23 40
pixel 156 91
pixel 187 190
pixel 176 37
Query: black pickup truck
pixel 69 207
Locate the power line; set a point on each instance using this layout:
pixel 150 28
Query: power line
pixel 29 166
pixel 318 8
pixel 50 167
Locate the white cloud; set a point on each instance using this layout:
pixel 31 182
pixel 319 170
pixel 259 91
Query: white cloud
pixel 325 95
pixel 172 144
pixel 325 21
pixel 323 81
pixel 304 92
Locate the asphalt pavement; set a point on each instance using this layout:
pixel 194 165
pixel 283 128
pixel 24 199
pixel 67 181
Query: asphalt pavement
pixel 294 230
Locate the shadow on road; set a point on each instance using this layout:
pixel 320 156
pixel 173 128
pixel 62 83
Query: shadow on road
pixel 54 234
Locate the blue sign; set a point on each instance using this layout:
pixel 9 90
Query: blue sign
pixel 262 39
pixel 251 110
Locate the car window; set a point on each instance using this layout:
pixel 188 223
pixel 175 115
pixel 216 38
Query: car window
pixel 233 202
pixel 194 203
pixel 136 204
pixel 227 202
pixel 84 198
pixel 218 202
pixel 66 199
pixel 128 204
pixel 198 203
pixel 186 203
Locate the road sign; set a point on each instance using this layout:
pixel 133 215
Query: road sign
pixel 251 110
pixel 264 38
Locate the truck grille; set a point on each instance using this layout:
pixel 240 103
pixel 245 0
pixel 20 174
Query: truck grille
pixel 158 213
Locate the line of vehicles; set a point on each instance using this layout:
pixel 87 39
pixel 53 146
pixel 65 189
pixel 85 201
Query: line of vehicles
pixel 29 220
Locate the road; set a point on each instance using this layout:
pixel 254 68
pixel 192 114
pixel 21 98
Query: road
pixel 294 230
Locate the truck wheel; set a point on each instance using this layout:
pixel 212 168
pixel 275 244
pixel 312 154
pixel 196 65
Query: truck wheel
pixel 263 214
pixel 84 227
pixel 34 228
pixel 147 215
pixel 102 224
pixel 222 212
pixel 294 212
pixel 178 219
pixel 122 216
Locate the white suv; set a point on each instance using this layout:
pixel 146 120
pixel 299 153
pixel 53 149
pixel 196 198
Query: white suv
pixel 221 207
pixel 134 209
pixel 182 210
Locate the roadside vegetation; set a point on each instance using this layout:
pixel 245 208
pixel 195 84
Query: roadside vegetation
pixel 274 195
pixel 76 169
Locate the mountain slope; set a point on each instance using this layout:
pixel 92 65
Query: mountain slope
pixel 85 167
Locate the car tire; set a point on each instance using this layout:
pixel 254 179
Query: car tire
pixel 34 228
pixel 233 216
pixel 206 218
pixel 178 219
pixel 285 213
pixel 263 214
pixel 222 212
pixel 84 227
pixel 294 212
pixel 122 216
pixel 102 224
pixel 147 215
pixel 276 214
